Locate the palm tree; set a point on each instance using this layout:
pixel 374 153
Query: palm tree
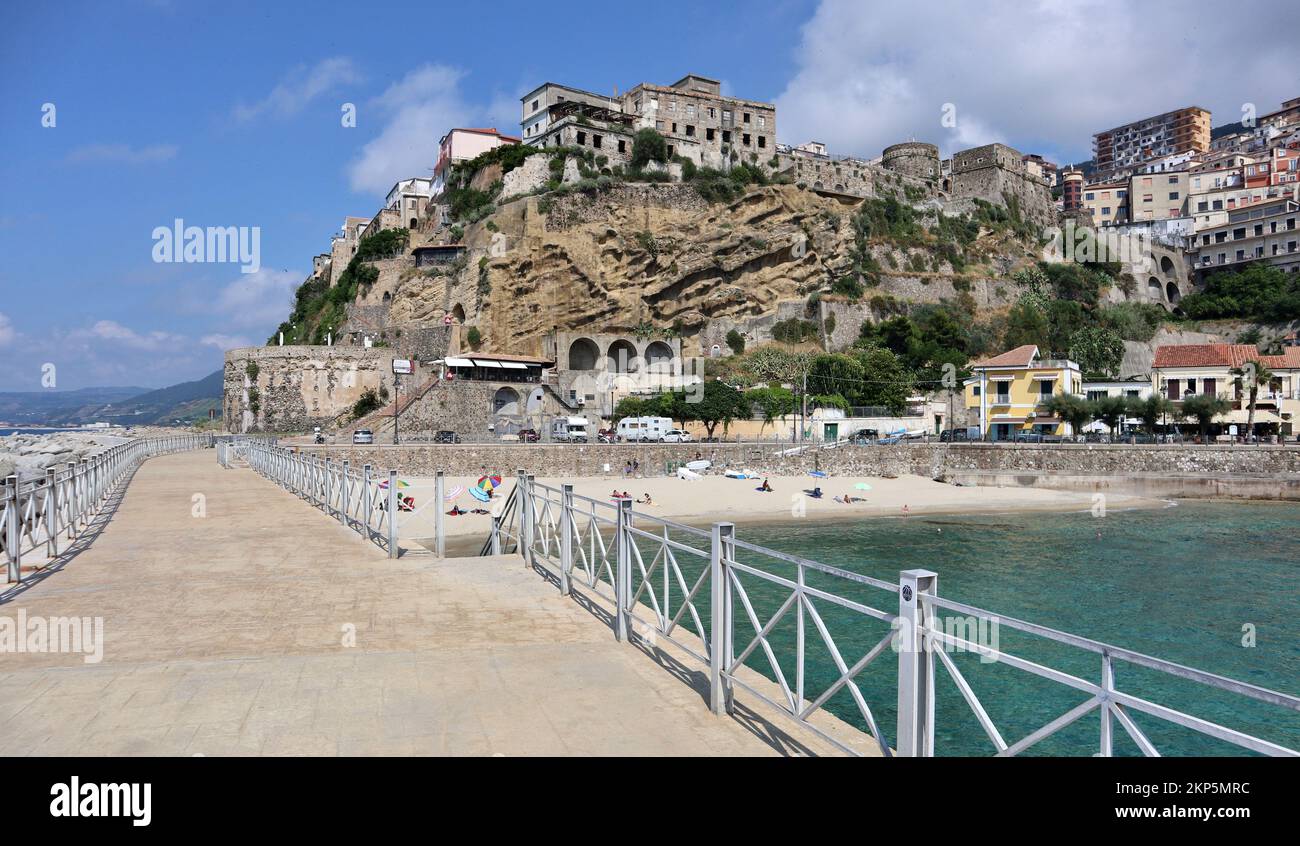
pixel 1204 407
pixel 1253 374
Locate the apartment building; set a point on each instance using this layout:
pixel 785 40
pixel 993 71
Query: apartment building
pixel 702 124
pixel 1279 167
pixel 1126 148
pixel 1006 393
pixel 1183 370
pixel 1263 231
pixel 1108 202
pixel 408 198
pixel 1071 189
pixel 1210 208
pixel 537 105
pixel 1158 196
pixel 463 144
pixel 1131 389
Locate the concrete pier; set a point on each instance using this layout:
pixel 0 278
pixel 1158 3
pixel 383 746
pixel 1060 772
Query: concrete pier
pixel 238 620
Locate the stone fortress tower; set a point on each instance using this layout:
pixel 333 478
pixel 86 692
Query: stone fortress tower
pixel 914 158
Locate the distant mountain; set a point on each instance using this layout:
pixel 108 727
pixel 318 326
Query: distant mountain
pixel 60 408
pixel 185 402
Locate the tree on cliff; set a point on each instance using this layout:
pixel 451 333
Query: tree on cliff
pixel 648 146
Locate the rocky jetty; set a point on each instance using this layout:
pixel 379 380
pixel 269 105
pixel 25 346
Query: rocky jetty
pixel 29 456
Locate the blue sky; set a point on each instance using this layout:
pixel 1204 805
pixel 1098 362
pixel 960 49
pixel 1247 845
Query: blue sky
pixel 228 114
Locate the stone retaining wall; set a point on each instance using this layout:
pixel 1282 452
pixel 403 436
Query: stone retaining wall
pixel 1276 466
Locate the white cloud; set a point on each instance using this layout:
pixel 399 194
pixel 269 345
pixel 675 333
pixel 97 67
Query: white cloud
pixel 257 300
pixel 115 334
pixel 7 332
pixel 122 154
pixel 420 108
pixel 1043 77
pixel 226 342
pixel 299 87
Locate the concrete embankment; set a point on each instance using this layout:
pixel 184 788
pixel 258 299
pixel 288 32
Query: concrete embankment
pixel 1257 472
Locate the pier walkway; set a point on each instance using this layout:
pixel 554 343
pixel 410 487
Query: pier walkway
pixel 239 620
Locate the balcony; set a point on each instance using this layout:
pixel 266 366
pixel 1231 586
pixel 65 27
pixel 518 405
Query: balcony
pixel 1001 399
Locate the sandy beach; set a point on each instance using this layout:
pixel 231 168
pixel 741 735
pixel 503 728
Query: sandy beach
pixel 717 498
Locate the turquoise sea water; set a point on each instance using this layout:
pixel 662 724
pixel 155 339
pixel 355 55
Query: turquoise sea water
pixel 1177 583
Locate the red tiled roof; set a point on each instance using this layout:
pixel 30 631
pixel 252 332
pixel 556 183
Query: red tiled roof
pixel 1223 355
pixel 1021 356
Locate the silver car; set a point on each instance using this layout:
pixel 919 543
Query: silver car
pixel 363 436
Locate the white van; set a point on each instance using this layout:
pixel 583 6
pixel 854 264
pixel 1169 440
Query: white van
pixel 644 428
pixel 569 430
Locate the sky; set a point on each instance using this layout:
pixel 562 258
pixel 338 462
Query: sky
pixel 119 118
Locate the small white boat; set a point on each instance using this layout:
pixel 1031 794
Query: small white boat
pixel 697 466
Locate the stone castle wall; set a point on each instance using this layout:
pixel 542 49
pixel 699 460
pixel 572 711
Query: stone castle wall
pixel 298 387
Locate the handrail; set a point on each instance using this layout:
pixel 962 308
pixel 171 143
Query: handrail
pixel 367 501
pixel 60 505
pixel 713 613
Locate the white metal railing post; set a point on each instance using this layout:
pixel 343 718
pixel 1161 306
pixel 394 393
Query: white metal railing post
pixel 367 506
pixel 623 569
pixel 439 516
pixel 329 488
pixel 915 666
pixel 51 512
pixel 521 506
pixel 13 543
pixel 392 513
pixel 530 554
pixel 87 495
pixel 566 538
pixel 71 491
pixel 720 620
pixel 344 518
pixel 1107 688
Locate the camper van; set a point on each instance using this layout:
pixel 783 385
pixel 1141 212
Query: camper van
pixel 569 430
pixel 644 428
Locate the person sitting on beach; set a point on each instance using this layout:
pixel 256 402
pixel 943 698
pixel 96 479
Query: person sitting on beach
pixel 815 493
pixel 645 500
pixel 765 487
pixel 615 494
pixel 455 511
pixel 626 495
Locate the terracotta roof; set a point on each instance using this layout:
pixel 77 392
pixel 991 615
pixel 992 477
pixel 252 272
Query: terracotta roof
pixel 1223 355
pixel 1021 356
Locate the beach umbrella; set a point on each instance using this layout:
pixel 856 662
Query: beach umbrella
pixel 400 484
pixel 862 486
pixel 454 492
pixel 488 483
pixel 480 494
pixel 818 473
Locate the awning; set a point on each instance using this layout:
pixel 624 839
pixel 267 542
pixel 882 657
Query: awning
pixel 483 362
pixel 459 362
pixel 514 365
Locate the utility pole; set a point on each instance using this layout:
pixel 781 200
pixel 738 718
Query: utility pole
pixel 397 403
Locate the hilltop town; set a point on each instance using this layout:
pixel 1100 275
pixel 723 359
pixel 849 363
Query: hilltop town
pixel 618 251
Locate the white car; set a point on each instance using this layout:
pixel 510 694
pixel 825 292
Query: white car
pixel 363 436
pixel 677 436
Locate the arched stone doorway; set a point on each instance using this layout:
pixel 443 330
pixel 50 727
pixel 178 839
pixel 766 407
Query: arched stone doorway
pixel 622 357
pixel 583 354
pixel 1154 290
pixel 505 401
pixel 659 357
pixel 1172 292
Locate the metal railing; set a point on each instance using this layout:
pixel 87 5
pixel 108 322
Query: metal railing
pixel 53 510
pixel 367 501
pixel 749 613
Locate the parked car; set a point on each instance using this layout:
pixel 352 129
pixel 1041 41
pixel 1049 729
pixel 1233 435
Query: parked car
pixel 954 435
pixel 446 436
pixel 606 436
pixel 363 436
pixel 864 436
pixel 678 436
pixel 529 436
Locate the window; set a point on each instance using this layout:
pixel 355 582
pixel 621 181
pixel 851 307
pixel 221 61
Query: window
pixel 762 141
pixel 1146 198
pixel 582 138
pixel 1089 196
pixel 622 146
pixel 744 139
pixel 690 131
pixel 726 115
pixel 762 122
pixel 595 141
pixel 1105 210
pixel 745 117
pixel 659 125
pixel 1173 180
pixel 690 110
pixel 726 136
pixel 672 105
pixel 674 128
pixel 1045 387
pixel 708 133
pixel 535 103
pixel 713 113
pixel 1173 195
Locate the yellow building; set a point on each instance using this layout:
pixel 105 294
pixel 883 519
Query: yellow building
pixel 1008 390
